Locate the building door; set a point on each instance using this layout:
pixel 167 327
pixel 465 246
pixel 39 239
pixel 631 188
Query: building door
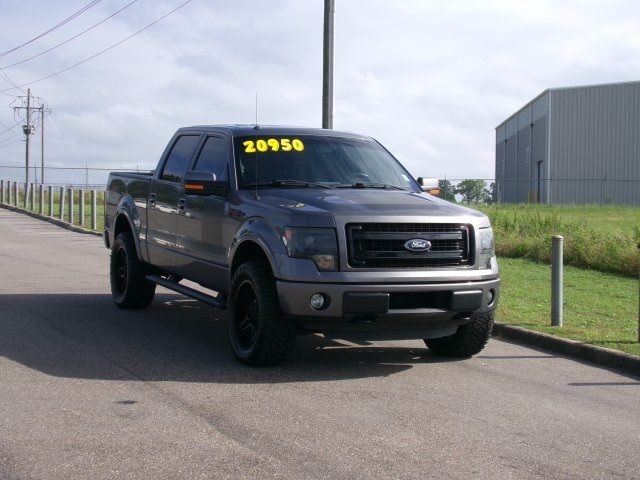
pixel 539 181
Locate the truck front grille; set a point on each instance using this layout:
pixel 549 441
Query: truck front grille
pixel 382 245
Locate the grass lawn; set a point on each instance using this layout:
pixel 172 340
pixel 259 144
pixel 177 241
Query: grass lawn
pixel 603 238
pixel 603 218
pixel 599 308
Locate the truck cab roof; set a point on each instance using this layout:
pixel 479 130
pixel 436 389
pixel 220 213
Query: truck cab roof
pixel 240 130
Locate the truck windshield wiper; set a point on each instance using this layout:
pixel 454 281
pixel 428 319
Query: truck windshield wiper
pixel 287 182
pixel 369 185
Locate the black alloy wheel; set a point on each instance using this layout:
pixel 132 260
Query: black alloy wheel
pixel 258 333
pixel 129 287
pixel 245 315
pixel 121 271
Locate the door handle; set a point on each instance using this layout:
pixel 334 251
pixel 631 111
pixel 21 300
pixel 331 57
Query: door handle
pixel 152 199
pixel 182 205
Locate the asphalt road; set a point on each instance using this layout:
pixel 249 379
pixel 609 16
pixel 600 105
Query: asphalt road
pixel 90 391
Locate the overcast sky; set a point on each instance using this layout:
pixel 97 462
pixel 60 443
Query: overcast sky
pixel 429 79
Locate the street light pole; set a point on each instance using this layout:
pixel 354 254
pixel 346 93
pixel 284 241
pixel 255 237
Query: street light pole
pixel 327 65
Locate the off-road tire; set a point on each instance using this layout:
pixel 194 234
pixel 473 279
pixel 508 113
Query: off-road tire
pixel 129 288
pixel 258 334
pixel 469 340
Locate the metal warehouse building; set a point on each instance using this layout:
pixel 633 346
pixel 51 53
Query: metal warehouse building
pixel 572 145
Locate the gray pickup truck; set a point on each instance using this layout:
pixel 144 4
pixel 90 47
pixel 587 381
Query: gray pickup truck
pixel 297 230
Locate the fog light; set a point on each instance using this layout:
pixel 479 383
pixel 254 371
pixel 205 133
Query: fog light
pixel 317 301
pixel 491 296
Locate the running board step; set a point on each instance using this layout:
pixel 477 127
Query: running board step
pixel 188 291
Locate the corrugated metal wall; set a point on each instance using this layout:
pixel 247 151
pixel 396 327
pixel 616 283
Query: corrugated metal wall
pixel 521 152
pixel 572 145
pixel 538 184
pixel 595 144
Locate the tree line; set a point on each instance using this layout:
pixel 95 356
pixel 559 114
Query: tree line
pixel 471 191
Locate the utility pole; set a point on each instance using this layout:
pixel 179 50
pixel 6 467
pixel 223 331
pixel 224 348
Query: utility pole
pixel 42 144
pixel 28 129
pixel 327 65
pixel 27 132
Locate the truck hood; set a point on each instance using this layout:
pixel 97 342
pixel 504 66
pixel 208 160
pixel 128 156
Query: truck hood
pixel 362 202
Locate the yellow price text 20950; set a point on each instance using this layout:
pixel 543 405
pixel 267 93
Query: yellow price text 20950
pixel 273 144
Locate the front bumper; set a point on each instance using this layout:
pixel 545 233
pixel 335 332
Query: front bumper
pixel 379 311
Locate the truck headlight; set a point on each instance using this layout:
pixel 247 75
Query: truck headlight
pixel 487 247
pixel 317 244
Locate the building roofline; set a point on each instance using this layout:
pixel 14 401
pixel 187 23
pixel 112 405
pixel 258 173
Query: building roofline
pixel 556 89
pixel 515 114
pixel 612 84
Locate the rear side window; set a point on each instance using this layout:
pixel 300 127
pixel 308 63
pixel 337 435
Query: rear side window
pixel 213 158
pixel 179 157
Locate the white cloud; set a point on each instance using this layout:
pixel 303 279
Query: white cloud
pixel 429 79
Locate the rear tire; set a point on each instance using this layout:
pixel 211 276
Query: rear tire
pixel 469 340
pixel 258 334
pixel 129 288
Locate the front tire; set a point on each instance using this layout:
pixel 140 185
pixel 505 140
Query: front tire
pixel 469 340
pixel 258 334
pixel 129 287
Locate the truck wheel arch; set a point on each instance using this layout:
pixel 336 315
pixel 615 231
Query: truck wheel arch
pixel 122 224
pixel 246 251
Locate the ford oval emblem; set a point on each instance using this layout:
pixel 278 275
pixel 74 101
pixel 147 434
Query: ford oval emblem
pixel 417 245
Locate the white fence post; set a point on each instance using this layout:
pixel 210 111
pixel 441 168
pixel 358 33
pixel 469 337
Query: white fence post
pixel 50 189
pixel 61 200
pixel 94 211
pixel 81 207
pixel 41 199
pixel 33 196
pixel 71 205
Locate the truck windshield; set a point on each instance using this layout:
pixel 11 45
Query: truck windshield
pixel 312 161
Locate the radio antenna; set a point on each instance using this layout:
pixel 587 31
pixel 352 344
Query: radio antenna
pixel 256 153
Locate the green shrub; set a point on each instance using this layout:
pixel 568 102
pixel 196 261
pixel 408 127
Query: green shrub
pixel 524 231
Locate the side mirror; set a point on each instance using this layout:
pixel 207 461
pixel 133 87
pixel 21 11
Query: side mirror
pixel 204 183
pixel 429 185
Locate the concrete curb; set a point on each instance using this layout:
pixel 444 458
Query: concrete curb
pixel 46 218
pixel 605 357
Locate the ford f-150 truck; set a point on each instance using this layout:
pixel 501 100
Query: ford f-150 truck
pixel 298 230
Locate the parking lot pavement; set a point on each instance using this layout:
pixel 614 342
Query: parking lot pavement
pixel 90 391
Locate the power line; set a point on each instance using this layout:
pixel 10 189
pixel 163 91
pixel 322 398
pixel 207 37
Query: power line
pixel 11 143
pixel 6 78
pixel 9 138
pixel 64 144
pixel 10 130
pixel 72 38
pixel 101 169
pixel 13 126
pixel 102 51
pixel 66 20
